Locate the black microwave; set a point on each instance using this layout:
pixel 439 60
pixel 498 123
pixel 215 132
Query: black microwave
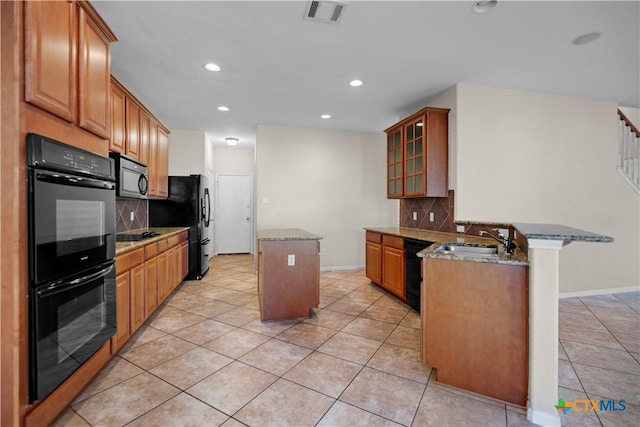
pixel 131 177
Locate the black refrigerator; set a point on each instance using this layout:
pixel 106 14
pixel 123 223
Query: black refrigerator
pixel 188 205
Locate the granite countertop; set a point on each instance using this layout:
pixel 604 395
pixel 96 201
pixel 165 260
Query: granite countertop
pixel 123 247
pixel 286 234
pixel 558 232
pixel 438 238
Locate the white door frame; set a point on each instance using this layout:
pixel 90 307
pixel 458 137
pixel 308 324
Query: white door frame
pixel 251 210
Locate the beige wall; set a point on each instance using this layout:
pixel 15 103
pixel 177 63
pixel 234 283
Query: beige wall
pixel 190 152
pixel 331 183
pixel 233 161
pixel 532 157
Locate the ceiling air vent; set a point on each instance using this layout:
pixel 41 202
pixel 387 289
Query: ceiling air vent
pixel 325 11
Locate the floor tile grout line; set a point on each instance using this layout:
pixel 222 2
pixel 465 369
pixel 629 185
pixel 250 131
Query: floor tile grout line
pixel 601 367
pixel 608 330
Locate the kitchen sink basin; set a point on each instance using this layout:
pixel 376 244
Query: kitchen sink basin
pixel 468 249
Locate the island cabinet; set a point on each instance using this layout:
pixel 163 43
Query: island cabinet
pixel 385 263
pixel 136 133
pixel 288 273
pixel 67 63
pixel 144 278
pixel 475 326
pixel 417 155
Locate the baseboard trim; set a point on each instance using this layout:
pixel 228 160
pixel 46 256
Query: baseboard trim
pixel 599 292
pixel 342 267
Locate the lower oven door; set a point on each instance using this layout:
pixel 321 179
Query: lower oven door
pixel 70 319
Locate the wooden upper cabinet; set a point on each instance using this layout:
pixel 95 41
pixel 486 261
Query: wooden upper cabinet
pixel 93 77
pixel 394 163
pixel 133 129
pixel 67 63
pixel 152 172
pixel 50 56
pixel 162 159
pixel 417 155
pixel 143 137
pixel 118 119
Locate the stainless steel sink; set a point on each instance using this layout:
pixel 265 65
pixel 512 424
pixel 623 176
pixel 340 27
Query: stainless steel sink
pixel 467 249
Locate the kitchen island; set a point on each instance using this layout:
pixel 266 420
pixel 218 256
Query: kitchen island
pixel 288 273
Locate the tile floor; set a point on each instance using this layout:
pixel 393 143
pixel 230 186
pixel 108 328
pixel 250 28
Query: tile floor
pixel 205 359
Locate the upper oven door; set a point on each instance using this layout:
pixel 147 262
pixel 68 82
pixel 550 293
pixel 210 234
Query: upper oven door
pixel 71 222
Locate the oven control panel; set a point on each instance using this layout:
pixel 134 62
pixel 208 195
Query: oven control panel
pixel 50 154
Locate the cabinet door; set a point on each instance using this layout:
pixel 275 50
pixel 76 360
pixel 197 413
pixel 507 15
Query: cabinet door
pixel 162 158
pixel 436 159
pixel 122 312
pixel 374 262
pixel 394 163
pixel 93 77
pixel 393 274
pixel 414 158
pixel 133 129
pixel 118 120
pixel 137 305
pixel 50 56
pixel 153 159
pixel 151 286
pixel 173 268
pixel 145 125
pixel 184 260
pixel 163 279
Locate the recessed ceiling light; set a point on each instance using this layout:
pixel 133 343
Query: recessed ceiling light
pixel 356 83
pixel 484 6
pixel 212 67
pixel 325 116
pixel 223 108
pixel 232 141
pixel 586 38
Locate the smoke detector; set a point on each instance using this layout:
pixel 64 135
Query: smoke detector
pixel 325 11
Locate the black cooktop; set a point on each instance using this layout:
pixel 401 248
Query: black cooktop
pixel 134 237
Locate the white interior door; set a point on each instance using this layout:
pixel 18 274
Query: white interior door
pixel 233 228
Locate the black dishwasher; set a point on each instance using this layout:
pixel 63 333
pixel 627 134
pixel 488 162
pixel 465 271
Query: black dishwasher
pixel 413 270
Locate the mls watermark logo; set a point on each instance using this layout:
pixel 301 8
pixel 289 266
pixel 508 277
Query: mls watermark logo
pixel 582 405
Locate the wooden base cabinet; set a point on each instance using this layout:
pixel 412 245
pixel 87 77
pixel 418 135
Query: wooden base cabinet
pixel 288 291
pixel 475 326
pixel 145 277
pixel 385 265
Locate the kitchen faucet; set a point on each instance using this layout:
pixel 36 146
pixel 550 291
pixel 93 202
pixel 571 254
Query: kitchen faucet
pixel 506 241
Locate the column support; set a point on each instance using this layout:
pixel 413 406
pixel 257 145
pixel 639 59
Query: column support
pixel 544 285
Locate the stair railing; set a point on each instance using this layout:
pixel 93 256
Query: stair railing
pixel 629 151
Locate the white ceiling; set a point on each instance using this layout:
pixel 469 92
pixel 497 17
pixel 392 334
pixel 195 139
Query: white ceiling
pixel 280 69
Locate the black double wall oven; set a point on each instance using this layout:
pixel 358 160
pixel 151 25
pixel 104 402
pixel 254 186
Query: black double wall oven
pixel 71 223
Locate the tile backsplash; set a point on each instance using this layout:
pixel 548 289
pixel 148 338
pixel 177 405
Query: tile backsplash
pixel 124 207
pixel 443 210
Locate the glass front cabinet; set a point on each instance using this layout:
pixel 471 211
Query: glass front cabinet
pixel 417 155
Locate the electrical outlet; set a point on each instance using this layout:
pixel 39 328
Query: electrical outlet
pixel 460 228
pixel 291 260
pixel 133 216
pixel 415 216
pixel 432 216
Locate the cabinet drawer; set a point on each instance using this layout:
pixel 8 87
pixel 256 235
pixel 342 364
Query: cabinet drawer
pixel 393 241
pixel 184 236
pixel 173 240
pixel 374 237
pixel 162 245
pixel 150 250
pixel 130 259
